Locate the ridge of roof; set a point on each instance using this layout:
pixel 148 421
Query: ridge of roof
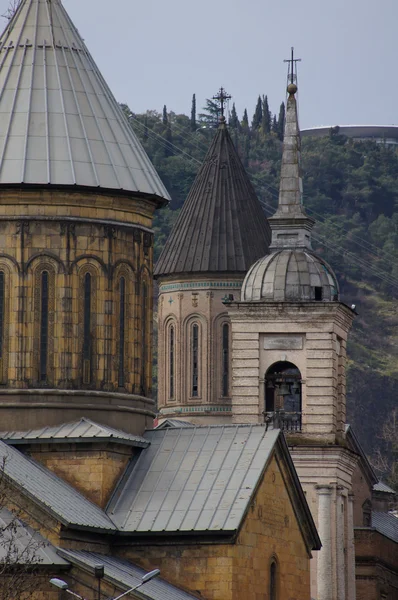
pixel 77 431
pixel 53 494
pixel 221 227
pixel 60 124
pixel 126 574
pixel 356 447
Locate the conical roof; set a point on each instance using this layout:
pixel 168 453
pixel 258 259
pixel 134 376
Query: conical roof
pixel 59 122
pixel 222 226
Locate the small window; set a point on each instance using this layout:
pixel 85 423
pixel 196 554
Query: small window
pixel 225 360
pixel 318 293
pixel 122 315
pixel 171 361
pixel 273 581
pixel 195 359
pixel 144 327
pixel 44 326
pixel 1 312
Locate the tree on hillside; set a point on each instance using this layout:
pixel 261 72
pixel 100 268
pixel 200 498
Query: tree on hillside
pixel 245 121
pixel 274 126
pixel 281 121
pixel 164 117
pixel 258 115
pixel 211 114
pixel 385 460
pixel 233 119
pixel 145 134
pixel 266 119
pixel 193 114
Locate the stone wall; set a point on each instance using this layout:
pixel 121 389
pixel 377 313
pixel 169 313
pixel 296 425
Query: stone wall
pixel 217 571
pixel 376 566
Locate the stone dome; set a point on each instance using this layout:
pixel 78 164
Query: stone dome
pixel 290 275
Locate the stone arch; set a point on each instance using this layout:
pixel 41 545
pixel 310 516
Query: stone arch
pixel 170 344
pixel 43 256
pixel 88 259
pixel 195 355
pixel 283 395
pixel 273 570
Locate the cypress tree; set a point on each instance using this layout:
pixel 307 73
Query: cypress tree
pixel 145 137
pixel 281 121
pixel 245 121
pixel 274 126
pixel 266 121
pixel 258 115
pixel 169 139
pixel 193 114
pixel 165 119
pixel 233 119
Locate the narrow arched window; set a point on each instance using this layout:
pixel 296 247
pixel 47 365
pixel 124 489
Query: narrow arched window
pixel 225 359
pixel 272 581
pixel 195 359
pixel 144 326
pixel 2 299
pixel 87 329
pixel 44 326
pixel 122 313
pixel 171 361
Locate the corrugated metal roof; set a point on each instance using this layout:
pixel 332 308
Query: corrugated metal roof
pixel 52 493
pixel 59 122
pixel 193 479
pixel 174 423
pixel 383 487
pixel 77 431
pixel 21 545
pixel 127 575
pixel 222 226
pixel 386 524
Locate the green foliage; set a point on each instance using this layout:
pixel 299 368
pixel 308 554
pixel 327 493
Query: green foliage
pixel 193 114
pixel 266 120
pixel 245 121
pixel 258 115
pixel 233 119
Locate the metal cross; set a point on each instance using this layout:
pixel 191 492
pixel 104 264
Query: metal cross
pixel 221 97
pixel 292 64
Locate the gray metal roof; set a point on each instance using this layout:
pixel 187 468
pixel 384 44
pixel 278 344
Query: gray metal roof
pixel 77 431
pixel 59 122
pixel 52 493
pixel 21 545
pixel 222 226
pixel 383 487
pixel 126 575
pixel 193 479
pixel 289 275
pixel 386 524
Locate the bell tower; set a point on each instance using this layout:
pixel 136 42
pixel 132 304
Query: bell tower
pixel 289 335
pixel 220 232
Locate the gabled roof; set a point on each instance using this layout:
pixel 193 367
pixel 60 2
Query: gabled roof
pixel 59 122
pixel 52 493
pixel 386 524
pixel 126 575
pixel 383 487
pixel 222 226
pixel 84 430
pixel 201 480
pixel 167 423
pixel 21 545
pixel 354 445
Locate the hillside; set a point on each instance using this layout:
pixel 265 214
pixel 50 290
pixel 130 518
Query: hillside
pixel 351 188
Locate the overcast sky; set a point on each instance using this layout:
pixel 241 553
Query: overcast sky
pixel 156 52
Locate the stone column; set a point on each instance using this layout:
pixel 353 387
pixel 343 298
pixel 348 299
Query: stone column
pixel 351 594
pixel 325 561
pixel 340 544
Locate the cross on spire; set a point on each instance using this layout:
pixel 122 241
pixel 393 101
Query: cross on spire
pixel 221 97
pixel 292 66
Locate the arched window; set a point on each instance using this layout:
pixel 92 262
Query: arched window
pixel 273 581
pixel 44 326
pixel 225 359
pixel 122 315
pixel 2 301
pixel 195 359
pixel 283 395
pixel 171 361
pixel 87 329
pixel 144 326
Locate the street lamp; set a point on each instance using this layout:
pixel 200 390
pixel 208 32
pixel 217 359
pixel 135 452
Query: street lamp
pixel 59 583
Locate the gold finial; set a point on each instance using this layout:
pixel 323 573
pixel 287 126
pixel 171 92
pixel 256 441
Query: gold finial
pixel 291 89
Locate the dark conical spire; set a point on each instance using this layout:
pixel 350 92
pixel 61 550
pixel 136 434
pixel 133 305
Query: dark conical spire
pixel 221 226
pixel 290 224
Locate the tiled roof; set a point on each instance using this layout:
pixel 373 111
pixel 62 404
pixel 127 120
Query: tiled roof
pixel 383 487
pixel 193 479
pixel 21 545
pixel 386 524
pixel 51 492
pixel 59 122
pixel 222 226
pixel 125 574
pixel 77 431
